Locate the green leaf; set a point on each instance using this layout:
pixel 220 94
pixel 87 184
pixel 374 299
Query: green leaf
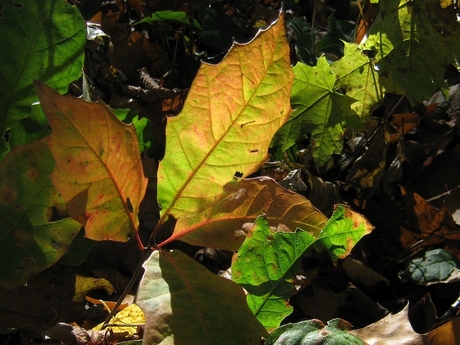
pixel 265 266
pixel 34 229
pixel 173 16
pixel 343 230
pixel 185 304
pixel 225 127
pixel 220 226
pixel 356 75
pixel 434 267
pixel 314 332
pixel 41 40
pixel 340 32
pixel 303 46
pixel 319 110
pixel 414 41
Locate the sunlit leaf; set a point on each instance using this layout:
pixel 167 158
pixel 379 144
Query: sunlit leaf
pixel 414 41
pixel 343 230
pixel 220 226
pixel 98 165
pixel 224 130
pixel 35 231
pixel 356 76
pixel 266 265
pixel 319 110
pixel 185 304
pixel 41 40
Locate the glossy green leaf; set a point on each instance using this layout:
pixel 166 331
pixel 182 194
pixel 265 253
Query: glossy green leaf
pixel 224 130
pixel 35 231
pixel 220 226
pixel 314 332
pixel 185 304
pixel 343 230
pixel 265 266
pixel 319 110
pixel 357 77
pixel 41 40
pixel 414 41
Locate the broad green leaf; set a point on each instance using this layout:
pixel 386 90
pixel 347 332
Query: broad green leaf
pixel 41 40
pixel 319 110
pixel 314 332
pixel 220 226
pixel 185 304
pixel 98 165
pixel 34 230
pixel 414 41
pixel 343 230
pixel 223 132
pixel 356 76
pixel 265 266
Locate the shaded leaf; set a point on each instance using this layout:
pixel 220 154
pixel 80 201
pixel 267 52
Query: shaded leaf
pixel 225 127
pixel 356 75
pixel 98 165
pixel 434 267
pixel 174 16
pixel 265 266
pixel 414 41
pixel 39 304
pixel 314 332
pixel 220 225
pixel 40 40
pixel 343 230
pixel 319 110
pixel 35 230
pixel 185 304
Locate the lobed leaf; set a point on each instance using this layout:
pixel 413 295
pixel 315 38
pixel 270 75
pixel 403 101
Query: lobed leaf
pixel 319 110
pixel 224 130
pixel 98 165
pixel 343 230
pixel 185 304
pixel 40 40
pixel 35 231
pixel 265 266
pixel 220 225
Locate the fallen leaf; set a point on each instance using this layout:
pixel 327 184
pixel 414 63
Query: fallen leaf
pixel 126 321
pixel 35 231
pixel 98 165
pixel 343 230
pixel 85 284
pixel 185 304
pixel 266 266
pixel 225 119
pixel 215 226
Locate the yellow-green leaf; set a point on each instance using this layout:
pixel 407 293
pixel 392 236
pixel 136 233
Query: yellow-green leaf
pixel 228 120
pixel 98 165
pixel 220 225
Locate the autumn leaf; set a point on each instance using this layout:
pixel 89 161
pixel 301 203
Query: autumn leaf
pixel 266 266
pixel 184 303
pixel 98 165
pixel 220 226
pixel 35 230
pixel 343 230
pixel 224 130
pixel 42 40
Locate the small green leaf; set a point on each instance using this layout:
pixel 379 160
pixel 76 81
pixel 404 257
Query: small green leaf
pixel 343 230
pixel 314 332
pixel 265 266
pixel 173 16
pixel 185 304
